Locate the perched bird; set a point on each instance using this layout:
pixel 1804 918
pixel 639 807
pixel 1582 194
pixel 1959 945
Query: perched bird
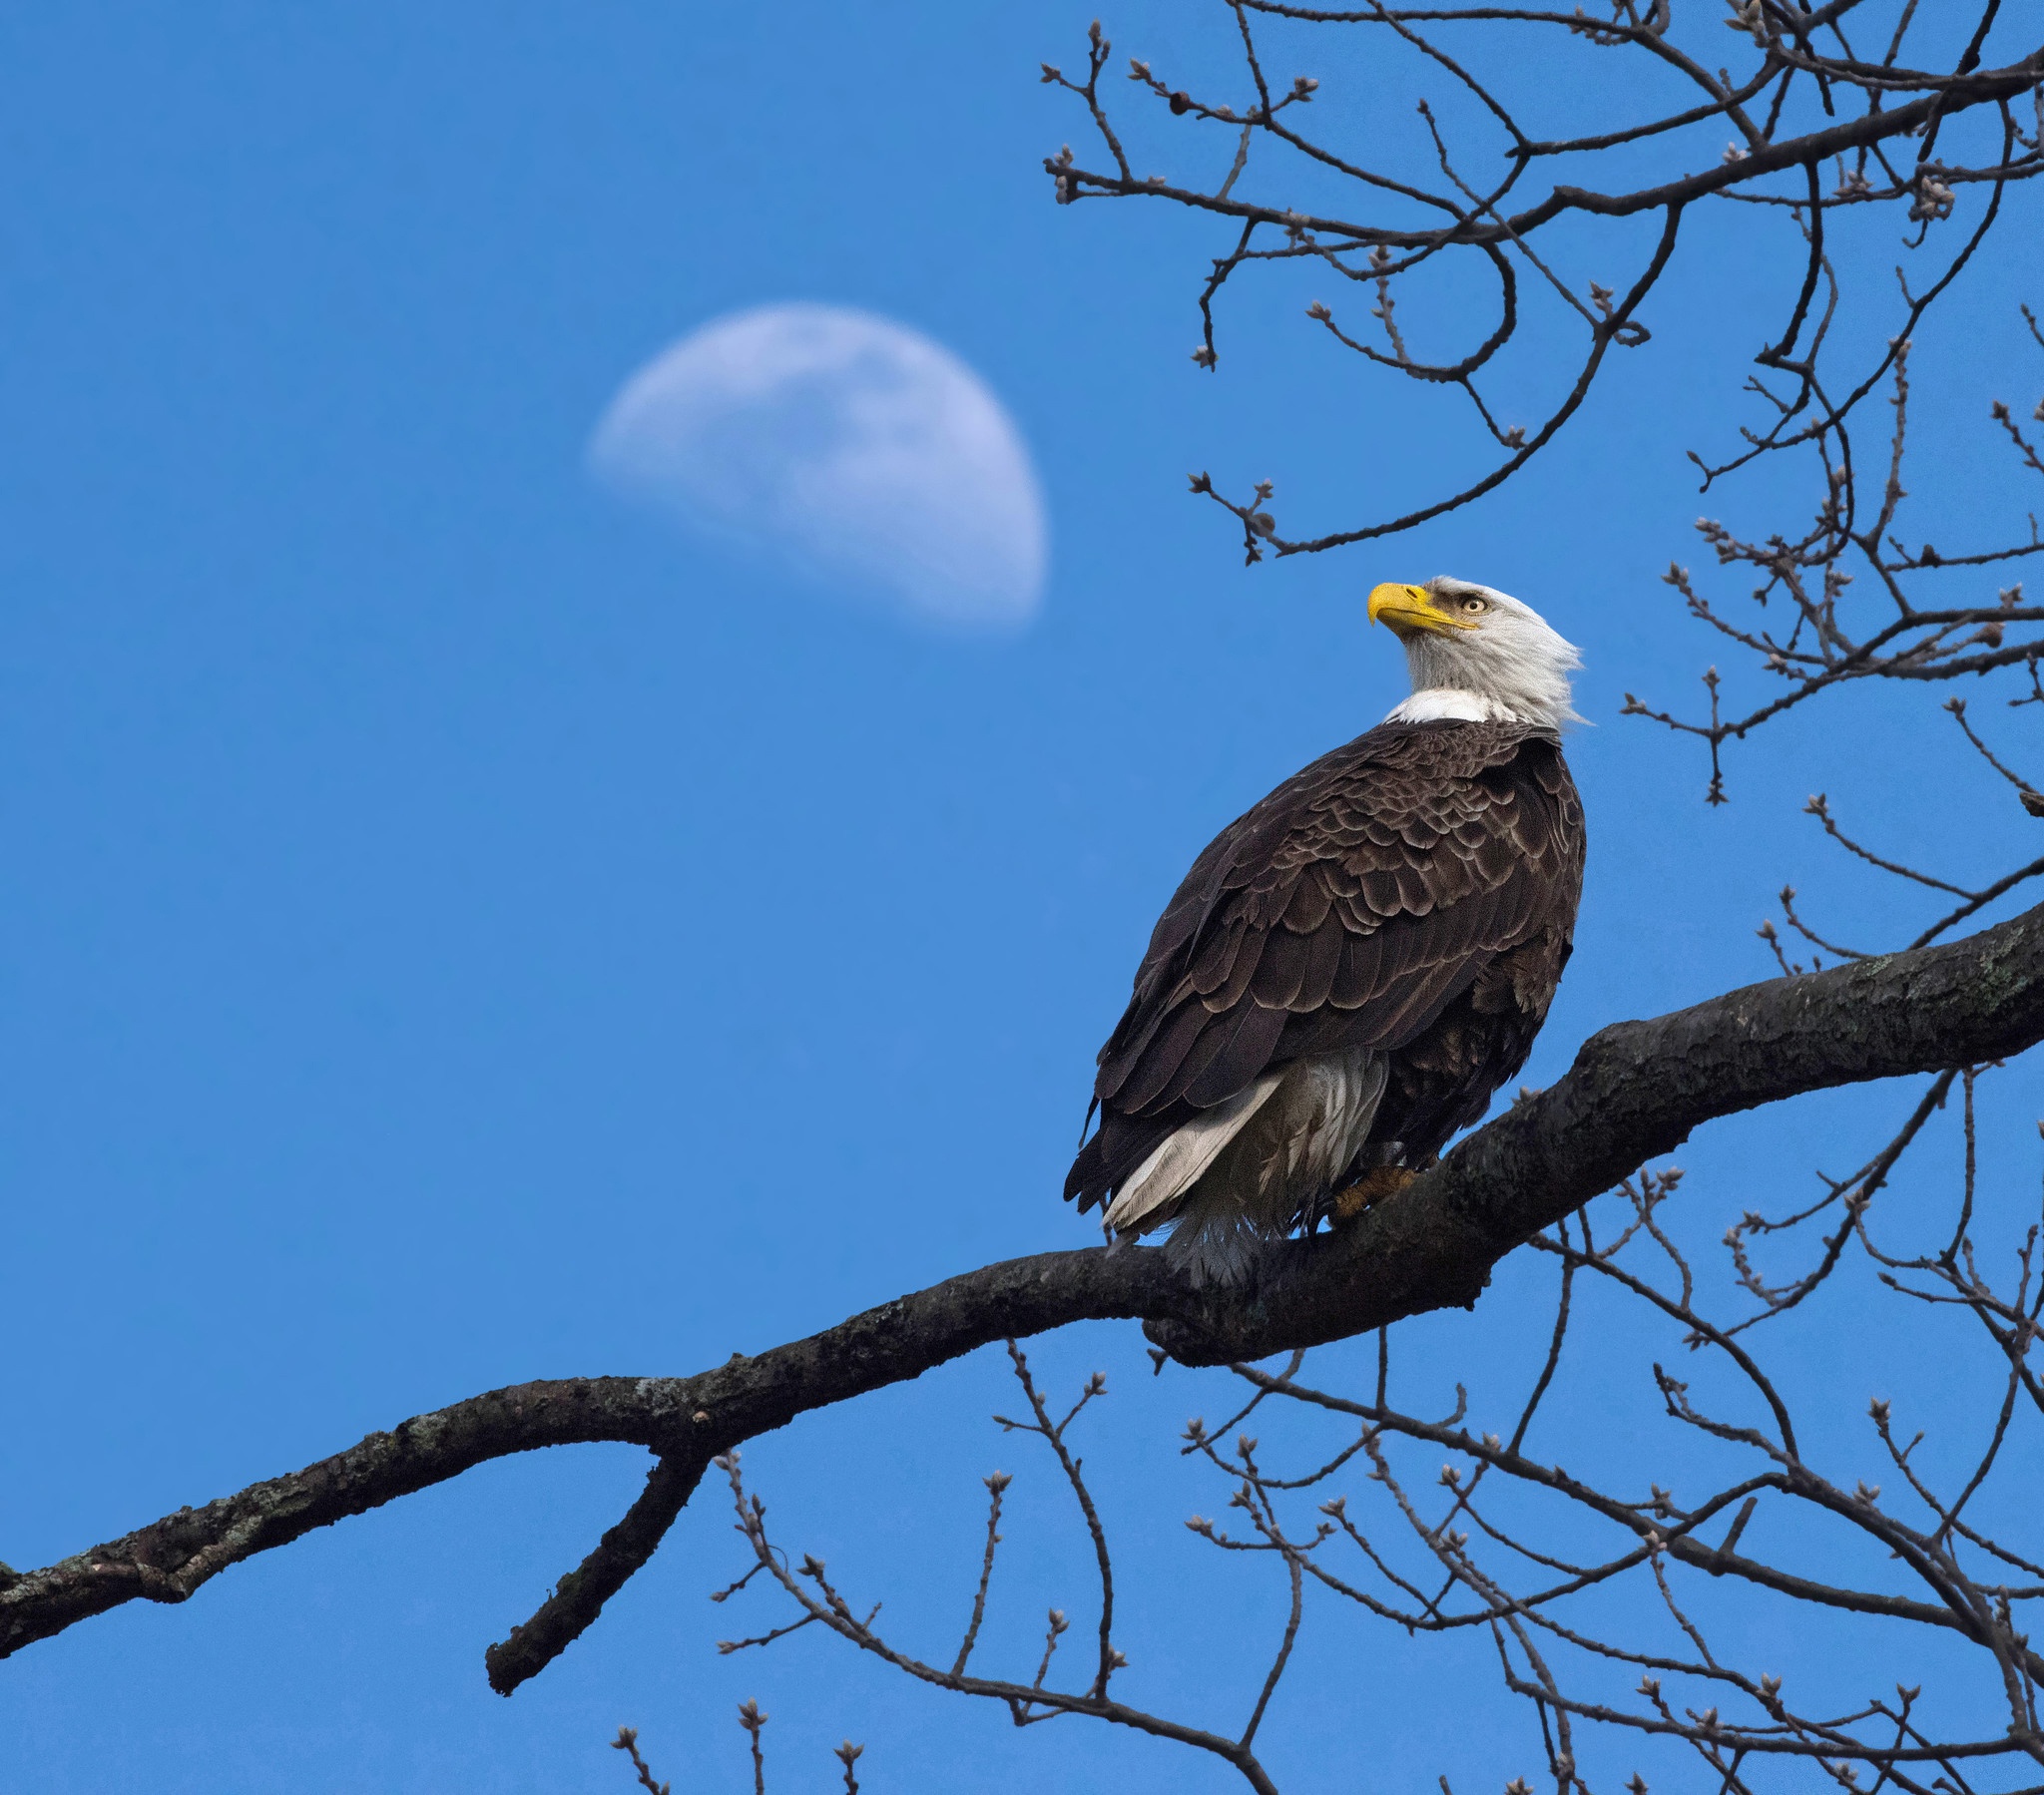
pixel 1354 966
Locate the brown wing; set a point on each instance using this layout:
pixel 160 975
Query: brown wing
pixel 1347 909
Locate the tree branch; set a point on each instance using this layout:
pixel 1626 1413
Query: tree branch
pixel 1636 1091
pixel 1780 164
pixel 1961 93
pixel 619 1555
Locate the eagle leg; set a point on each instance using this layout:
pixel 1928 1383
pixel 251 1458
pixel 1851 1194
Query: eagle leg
pixel 1371 1188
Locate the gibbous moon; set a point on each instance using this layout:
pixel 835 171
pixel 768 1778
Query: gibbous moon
pixel 853 449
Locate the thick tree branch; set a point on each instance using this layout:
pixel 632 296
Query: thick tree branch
pixel 1636 1091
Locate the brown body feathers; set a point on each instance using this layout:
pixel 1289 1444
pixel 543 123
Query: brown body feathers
pixel 1411 895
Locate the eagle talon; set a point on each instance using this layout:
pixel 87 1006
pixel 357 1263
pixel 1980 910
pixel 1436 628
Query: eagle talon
pixel 1371 1188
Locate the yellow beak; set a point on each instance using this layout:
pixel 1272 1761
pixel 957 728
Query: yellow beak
pixel 1407 610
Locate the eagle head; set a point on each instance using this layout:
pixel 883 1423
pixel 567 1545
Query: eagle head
pixel 1476 654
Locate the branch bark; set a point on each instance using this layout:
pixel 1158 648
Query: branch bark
pixel 1636 1091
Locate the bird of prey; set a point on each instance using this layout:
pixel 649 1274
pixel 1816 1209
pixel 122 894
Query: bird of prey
pixel 1354 965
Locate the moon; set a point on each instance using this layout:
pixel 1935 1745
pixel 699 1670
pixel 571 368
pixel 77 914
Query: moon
pixel 849 449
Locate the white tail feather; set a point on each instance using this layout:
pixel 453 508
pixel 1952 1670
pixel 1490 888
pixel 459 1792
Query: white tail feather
pixel 1176 1166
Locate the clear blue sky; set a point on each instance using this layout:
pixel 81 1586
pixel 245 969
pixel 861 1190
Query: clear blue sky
pixel 453 931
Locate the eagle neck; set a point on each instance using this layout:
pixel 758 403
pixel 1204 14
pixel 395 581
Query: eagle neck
pixel 1516 672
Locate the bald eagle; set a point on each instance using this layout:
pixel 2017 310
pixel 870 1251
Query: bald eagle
pixel 1354 965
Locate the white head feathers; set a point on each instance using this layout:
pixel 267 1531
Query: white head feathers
pixel 1476 654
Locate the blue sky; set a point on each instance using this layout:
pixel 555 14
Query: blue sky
pixel 454 930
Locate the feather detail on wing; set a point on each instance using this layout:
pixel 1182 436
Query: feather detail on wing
pixel 1343 913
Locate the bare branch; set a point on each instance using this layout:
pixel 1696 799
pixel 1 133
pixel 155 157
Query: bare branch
pixel 1635 1092
pixel 1800 61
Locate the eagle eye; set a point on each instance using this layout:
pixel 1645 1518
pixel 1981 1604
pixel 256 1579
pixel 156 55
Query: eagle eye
pixel 1474 606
